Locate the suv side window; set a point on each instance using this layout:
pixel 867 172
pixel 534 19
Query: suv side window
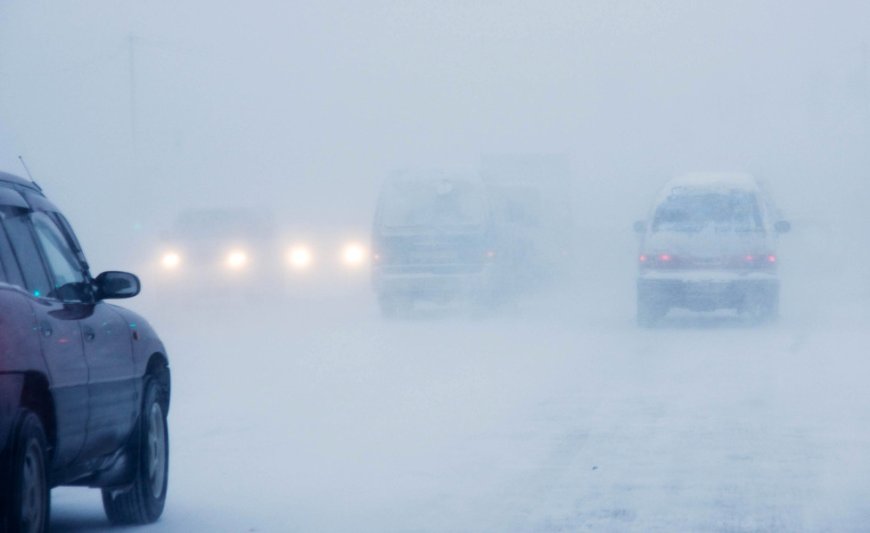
pixel 32 269
pixel 66 270
pixel 7 258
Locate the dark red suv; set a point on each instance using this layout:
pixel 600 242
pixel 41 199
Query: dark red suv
pixel 84 385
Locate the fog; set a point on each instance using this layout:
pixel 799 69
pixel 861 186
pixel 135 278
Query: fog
pixel 129 113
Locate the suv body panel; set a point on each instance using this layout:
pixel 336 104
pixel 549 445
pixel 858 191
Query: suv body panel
pixel 93 355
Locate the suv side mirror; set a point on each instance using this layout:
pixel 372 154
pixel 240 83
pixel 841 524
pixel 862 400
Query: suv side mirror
pixel 640 226
pixel 782 226
pixel 114 284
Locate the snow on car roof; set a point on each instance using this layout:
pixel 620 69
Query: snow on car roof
pixel 430 175
pixel 714 180
pixel 709 181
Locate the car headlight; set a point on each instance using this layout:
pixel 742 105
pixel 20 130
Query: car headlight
pixel 300 257
pixel 237 259
pixel 353 254
pixel 170 260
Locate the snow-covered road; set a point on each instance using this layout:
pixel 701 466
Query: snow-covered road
pixel 556 415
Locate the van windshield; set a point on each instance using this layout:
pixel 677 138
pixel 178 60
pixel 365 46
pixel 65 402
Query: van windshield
pixel 432 203
pixel 735 211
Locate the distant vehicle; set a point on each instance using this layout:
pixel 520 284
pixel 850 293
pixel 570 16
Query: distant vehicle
pixel 84 385
pixel 325 252
pixel 225 244
pixel 709 243
pixel 226 248
pixel 531 201
pixel 432 240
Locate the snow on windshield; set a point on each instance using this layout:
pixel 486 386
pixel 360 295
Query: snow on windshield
pixel 735 211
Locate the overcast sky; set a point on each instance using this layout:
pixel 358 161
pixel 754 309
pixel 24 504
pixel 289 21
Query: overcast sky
pixel 149 107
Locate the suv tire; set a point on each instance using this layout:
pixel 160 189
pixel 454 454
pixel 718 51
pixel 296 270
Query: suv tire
pixel 143 501
pixel 26 486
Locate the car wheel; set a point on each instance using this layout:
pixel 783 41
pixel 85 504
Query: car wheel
pixel 762 309
pixel 388 306
pixel 26 486
pixel 649 313
pixel 395 306
pixel 143 501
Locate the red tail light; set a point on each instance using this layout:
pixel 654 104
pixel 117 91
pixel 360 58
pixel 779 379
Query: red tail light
pixel 664 260
pixel 759 261
pixel 661 260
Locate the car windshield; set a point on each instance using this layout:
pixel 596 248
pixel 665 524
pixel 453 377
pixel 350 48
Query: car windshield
pixel 432 203
pixel 220 224
pixel 721 212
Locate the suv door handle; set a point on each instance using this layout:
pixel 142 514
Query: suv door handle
pixel 45 328
pixel 90 334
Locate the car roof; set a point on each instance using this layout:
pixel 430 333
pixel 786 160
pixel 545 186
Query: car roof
pixel 713 180
pixel 424 175
pixel 17 180
pixel 221 222
pixel 696 182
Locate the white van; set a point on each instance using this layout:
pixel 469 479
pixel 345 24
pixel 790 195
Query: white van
pixel 432 240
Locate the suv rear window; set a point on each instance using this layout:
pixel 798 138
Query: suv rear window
pixel 698 211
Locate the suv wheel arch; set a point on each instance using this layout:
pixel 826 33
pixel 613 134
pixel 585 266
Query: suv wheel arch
pixel 36 397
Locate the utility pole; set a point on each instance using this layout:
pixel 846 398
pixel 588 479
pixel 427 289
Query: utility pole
pixel 865 83
pixel 864 88
pixel 131 43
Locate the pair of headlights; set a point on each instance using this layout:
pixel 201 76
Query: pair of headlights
pixel 301 257
pixel 298 257
pixel 352 255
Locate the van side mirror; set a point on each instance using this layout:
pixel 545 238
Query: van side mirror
pixel 782 226
pixel 640 226
pixel 114 284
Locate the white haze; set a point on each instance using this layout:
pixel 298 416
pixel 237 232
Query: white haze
pixel 313 414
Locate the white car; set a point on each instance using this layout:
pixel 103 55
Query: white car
pixel 709 243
